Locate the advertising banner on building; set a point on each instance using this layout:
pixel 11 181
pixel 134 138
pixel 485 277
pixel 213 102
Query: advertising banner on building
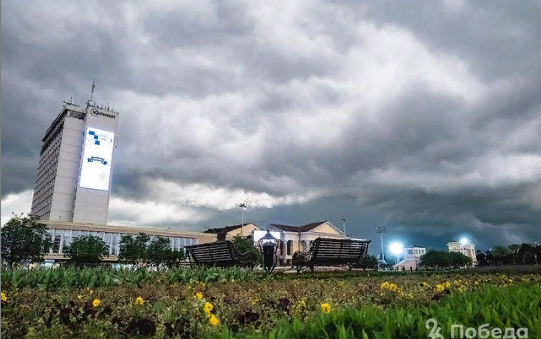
pixel 97 157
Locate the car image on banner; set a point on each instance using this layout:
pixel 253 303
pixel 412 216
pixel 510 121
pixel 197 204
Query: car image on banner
pixel 96 169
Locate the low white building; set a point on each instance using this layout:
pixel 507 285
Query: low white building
pixel 466 248
pixel 412 258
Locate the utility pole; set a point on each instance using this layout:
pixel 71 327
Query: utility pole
pixel 242 205
pixel 381 229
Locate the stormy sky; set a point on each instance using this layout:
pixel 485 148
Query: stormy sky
pixel 424 115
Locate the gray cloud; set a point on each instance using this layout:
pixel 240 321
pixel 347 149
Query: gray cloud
pixel 421 113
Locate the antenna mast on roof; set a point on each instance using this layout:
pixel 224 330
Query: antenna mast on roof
pixel 90 101
pixel 92 91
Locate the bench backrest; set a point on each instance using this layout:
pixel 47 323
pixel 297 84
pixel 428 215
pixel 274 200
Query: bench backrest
pixel 220 254
pixel 326 250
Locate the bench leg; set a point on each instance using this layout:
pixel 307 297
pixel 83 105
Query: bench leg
pixel 312 268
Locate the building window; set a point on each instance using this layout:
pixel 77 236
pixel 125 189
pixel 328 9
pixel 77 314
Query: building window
pixel 67 240
pixel 114 244
pixel 303 244
pixel 410 252
pixel 108 241
pixel 56 241
pixel 289 246
pixel 281 247
pixel 177 244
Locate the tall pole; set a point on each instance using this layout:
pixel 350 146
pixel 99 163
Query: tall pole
pixel 381 229
pixel 242 205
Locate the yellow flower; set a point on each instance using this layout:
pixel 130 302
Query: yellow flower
pixel 447 284
pixel 199 295
pixel 476 282
pixel 214 321
pixel 455 282
pixel 440 288
pixel 91 291
pixel 208 307
pixel 459 290
pixel 326 308
pixel 79 296
pixel 139 301
pixel 96 302
pixel 393 288
pixel 385 286
pixel 4 298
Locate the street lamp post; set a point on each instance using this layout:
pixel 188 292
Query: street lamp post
pixel 242 205
pixel 268 246
pixel 381 229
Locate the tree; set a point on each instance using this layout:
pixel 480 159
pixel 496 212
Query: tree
pixel 436 259
pixel 501 254
pixel 221 236
pixel 514 250
pixel 458 259
pixel 24 239
pixel 174 258
pixel 246 244
pixel 481 258
pixel 370 262
pixel 87 249
pixel 527 253
pixel 133 250
pixel 158 251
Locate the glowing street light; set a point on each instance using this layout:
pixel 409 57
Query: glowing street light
pixel 396 248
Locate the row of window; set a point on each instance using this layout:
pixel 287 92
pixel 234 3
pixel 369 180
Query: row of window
pixel 45 178
pixel 416 251
pixel 63 238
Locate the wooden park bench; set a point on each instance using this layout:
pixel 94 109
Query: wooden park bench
pixel 219 254
pixel 331 252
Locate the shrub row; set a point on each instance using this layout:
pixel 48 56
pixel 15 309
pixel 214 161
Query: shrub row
pixel 92 277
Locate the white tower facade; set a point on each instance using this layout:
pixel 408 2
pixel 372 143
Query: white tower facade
pixel 75 167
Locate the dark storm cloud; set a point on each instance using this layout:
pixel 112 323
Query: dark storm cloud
pixel 498 38
pixel 217 94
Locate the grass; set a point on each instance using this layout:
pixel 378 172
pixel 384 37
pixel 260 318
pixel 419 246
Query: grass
pixel 284 307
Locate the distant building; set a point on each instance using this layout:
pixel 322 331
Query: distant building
pixel 231 231
pixel 412 258
pixel 294 238
pixel 63 233
pixel 468 249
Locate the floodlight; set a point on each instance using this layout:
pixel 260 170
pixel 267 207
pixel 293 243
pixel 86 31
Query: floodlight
pixel 396 248
pixel 464 240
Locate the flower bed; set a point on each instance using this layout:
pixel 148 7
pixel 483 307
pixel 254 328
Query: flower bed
pixel 167 309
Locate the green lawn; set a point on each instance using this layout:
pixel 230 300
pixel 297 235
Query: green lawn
pixel 245 304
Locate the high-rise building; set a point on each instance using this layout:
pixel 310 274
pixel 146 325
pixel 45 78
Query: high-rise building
pixel 73 181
